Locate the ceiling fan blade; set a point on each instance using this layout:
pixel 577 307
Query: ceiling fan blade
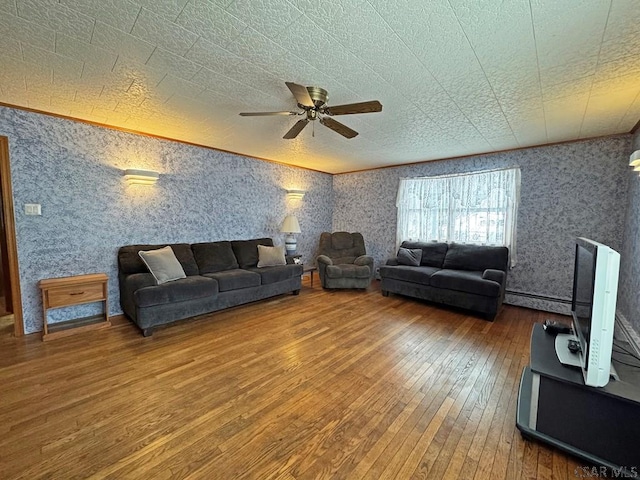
pixel 301 93
pixel 338 127
pixel 350 108
pixel 296 129
pixel 264 114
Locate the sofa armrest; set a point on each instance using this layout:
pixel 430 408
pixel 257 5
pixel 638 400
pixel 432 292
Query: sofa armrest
pixel 129 284
pixel 363 260
pixel 136 281
pixel 393 262
pixel 495 275
pixel 324 260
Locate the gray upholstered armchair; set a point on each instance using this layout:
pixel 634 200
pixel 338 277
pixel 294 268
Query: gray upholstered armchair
pixel 343 262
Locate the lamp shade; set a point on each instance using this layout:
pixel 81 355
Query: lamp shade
pixel 290 225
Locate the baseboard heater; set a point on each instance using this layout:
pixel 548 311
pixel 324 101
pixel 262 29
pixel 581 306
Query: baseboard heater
pixel 545 303
pixel 546 298
pixel 624 330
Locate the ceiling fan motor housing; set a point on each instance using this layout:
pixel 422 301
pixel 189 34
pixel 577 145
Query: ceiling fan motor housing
pixel 318 95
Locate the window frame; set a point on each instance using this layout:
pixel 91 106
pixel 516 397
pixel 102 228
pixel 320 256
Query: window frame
pixel 413 193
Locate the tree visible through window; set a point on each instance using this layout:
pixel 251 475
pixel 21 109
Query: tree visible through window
pixel 479 208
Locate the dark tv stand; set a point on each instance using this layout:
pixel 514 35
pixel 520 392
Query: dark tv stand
pixel 599 425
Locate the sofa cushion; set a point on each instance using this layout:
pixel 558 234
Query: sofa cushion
pixel 235 279
pixel 278 273
pixel 433 253
pixel 409 256
pixel 406 273
pixel 343 260
pixel 348 271
pixel 476 257
pixel 214 257
pixel 130 262
pixel 271 256
pixel 163 264
pixel 246 251
pixel 190 288
pixel 465 281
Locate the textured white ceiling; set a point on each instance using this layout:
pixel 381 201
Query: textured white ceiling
pixel 455 77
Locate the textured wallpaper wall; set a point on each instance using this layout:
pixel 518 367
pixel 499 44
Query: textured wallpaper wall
pixel 568 190
pixel 75 171
pixel 628 299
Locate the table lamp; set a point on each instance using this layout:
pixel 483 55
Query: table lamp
pixel 290 226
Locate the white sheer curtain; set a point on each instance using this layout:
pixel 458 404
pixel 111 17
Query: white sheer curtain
pixel 479 208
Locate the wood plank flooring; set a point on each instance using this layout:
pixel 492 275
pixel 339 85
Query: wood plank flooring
pixel 345 384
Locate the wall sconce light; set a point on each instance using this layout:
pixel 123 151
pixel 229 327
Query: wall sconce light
pixel 634 161
pixel 141 177
pixel 295 194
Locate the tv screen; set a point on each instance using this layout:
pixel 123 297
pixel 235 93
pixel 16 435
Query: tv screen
pixel 582 301
pixel 593 307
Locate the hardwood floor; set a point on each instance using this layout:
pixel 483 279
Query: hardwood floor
pixel 344 384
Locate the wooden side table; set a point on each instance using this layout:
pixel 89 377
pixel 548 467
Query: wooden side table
pixel 69 291
pixel 309 269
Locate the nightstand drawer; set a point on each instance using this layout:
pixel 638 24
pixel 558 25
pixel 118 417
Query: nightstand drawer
pixel 74 294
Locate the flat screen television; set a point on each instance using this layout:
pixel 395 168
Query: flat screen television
pixel 593 307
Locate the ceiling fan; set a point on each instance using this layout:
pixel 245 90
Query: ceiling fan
pixel 313 102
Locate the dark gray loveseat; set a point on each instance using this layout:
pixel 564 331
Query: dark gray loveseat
pixel 219 275
pixel 467 276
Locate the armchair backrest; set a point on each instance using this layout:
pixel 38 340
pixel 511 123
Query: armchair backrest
pixel 341 247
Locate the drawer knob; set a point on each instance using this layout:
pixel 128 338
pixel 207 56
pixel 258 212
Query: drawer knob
pixel 76 293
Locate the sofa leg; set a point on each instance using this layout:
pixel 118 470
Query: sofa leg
pixel 385 293
pixel 147 332
pixel 296 292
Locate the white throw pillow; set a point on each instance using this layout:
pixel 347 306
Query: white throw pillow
pixel 163 264
pixel 271 256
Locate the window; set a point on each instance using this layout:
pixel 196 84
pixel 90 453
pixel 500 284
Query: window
pixel 479 208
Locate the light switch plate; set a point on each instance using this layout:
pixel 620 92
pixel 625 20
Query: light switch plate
pixel 32 209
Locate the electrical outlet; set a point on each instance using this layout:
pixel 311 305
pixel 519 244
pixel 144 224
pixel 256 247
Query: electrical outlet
pixel 32 209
